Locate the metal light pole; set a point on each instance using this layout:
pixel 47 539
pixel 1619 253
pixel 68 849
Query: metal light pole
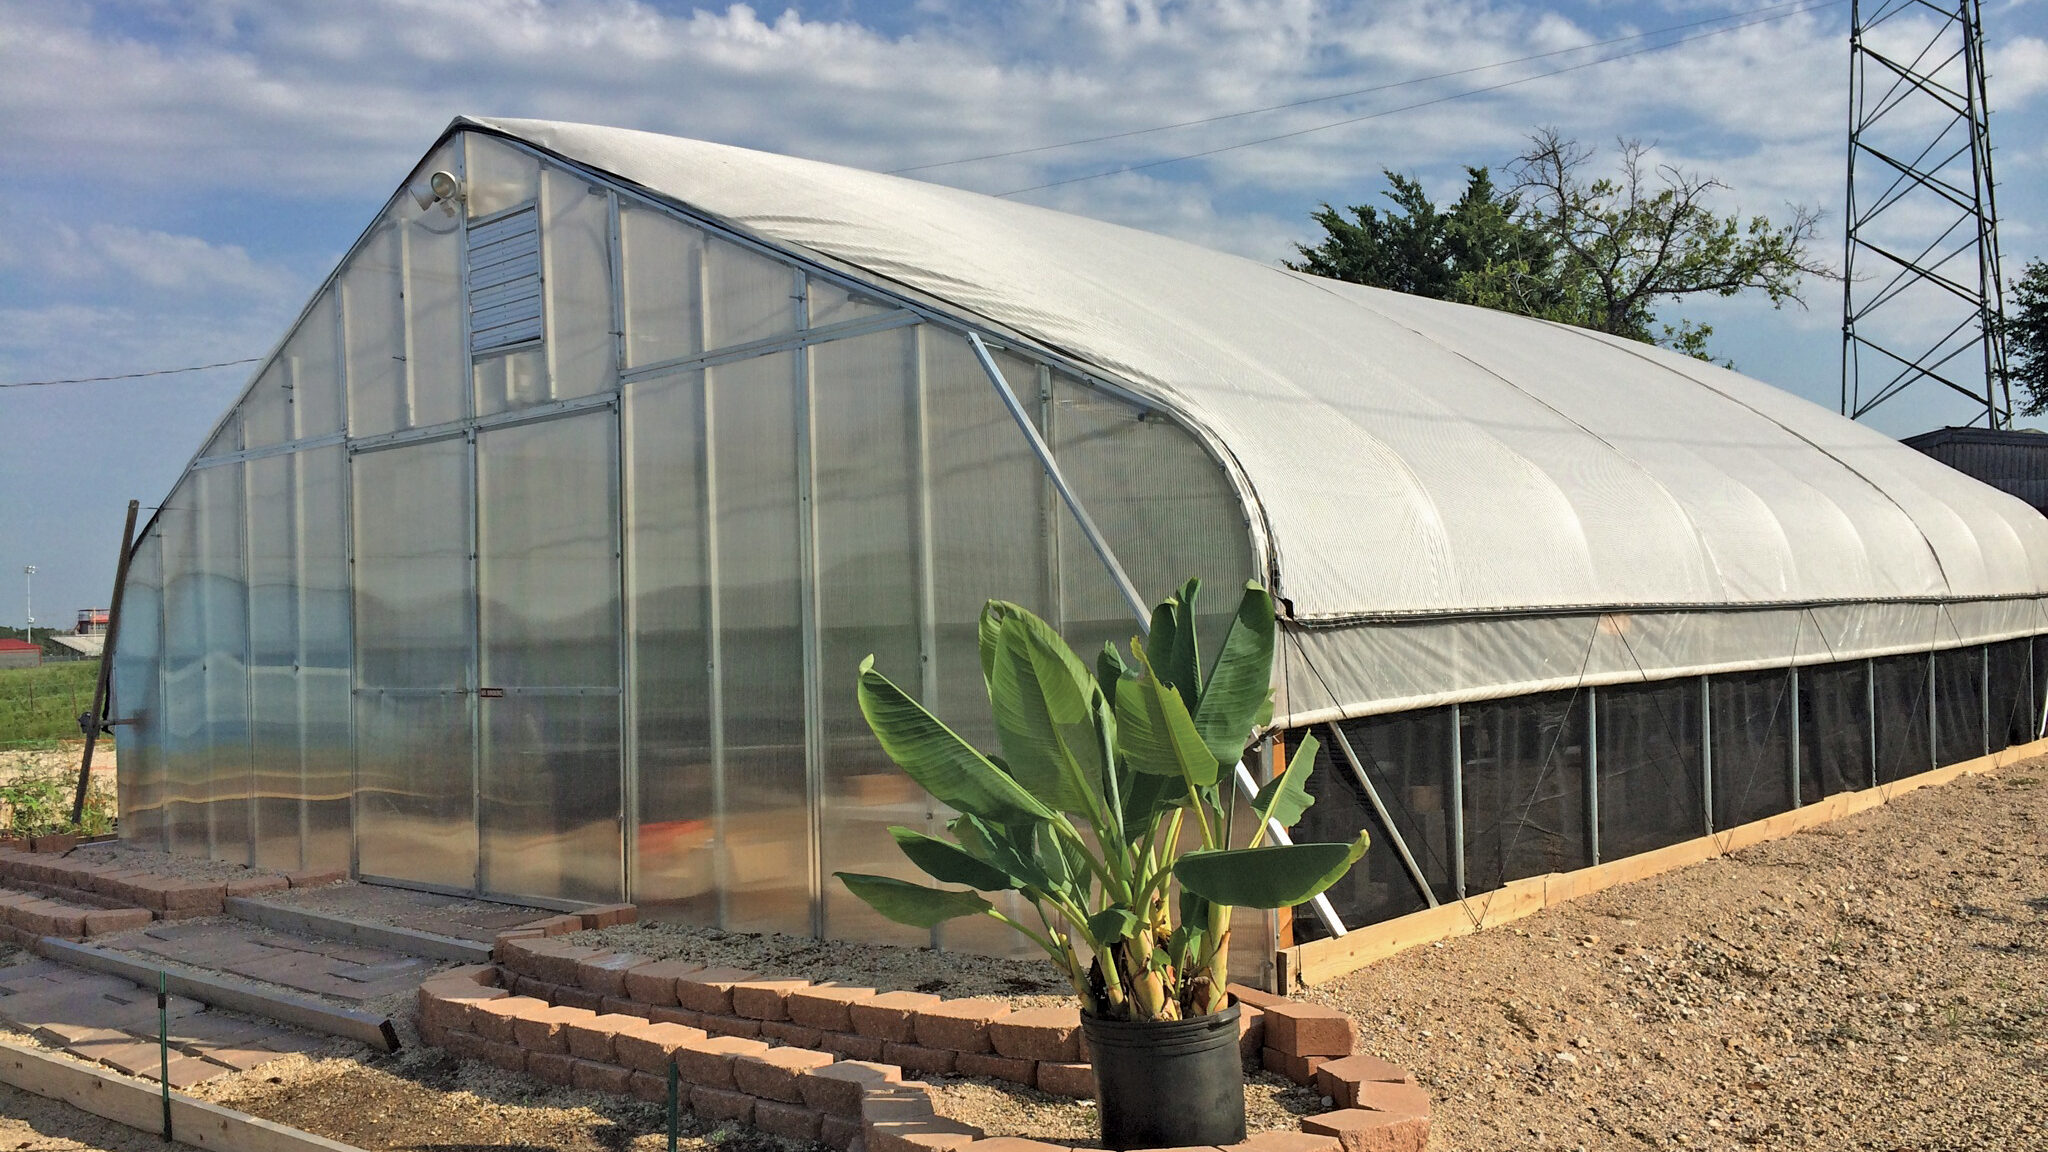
pixel 28 580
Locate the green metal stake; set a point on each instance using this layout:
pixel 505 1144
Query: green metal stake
pixel 672 1092
pixel 163 1044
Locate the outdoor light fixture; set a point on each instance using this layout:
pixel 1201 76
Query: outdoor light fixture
pixel 441 188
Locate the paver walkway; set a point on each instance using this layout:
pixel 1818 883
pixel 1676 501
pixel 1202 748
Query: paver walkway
pixel 112 1021
pixel 322 967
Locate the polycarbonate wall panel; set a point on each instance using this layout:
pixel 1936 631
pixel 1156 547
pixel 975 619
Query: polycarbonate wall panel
pixel 577 274
pixel 435 351
pixel 508 380
pixel 1753 735
pixel 1164 506
pixel 548 583
pixel 2013 719
pixel 137 697
pixel 274 722
pixel 668 583
pixel 184 673
pixel 988 505
pixel 1834 728
pixel 224 612
pixel 1900 689
pixel 749 298
pixel 266 411
pixel 299 650
pixel 864 470
pixel 415 808
pixel 663 262
pixel 415 802
pixel 765 823
pixel 830 304
pixel 1524 787
pixel 1407 756
pixel 547 553
pixel 326 753
pixel 314 361
pixel 550 795
pixel 498 176
pixel 373 318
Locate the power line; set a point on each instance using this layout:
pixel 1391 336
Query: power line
pixel 1796 4
pixel 1812 7
pixel 127 375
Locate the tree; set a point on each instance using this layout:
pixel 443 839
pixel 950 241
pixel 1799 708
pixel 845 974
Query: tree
pixel 1600 253
pixel 2026 338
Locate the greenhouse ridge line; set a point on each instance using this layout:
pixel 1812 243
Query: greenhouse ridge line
pixel 1801 5
pixel 1420 103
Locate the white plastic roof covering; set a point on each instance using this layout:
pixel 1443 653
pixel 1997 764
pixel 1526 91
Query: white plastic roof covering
pixel 1416 461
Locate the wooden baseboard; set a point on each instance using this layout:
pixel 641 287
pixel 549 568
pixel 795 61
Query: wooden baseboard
pixel 1321 960
pixel 139 1104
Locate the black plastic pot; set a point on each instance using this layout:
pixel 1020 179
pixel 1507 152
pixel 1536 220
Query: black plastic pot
pixel 1167 1083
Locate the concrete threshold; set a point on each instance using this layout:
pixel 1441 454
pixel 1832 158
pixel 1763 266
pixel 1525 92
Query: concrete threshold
pixel 139 1104
pixel 410 941
pixel 235 995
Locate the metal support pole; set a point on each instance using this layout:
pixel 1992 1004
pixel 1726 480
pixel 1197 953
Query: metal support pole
pixel 1029 427
pixel 1870 713
pixel 1798 789
pixel 1379 806
pixel 1707 755
pixel 1458 800
pixel 1593 774
pixel 1984 697
pixel 1321 904
pixel 95 721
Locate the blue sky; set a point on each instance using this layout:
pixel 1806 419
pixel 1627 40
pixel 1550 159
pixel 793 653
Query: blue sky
pixel 176 176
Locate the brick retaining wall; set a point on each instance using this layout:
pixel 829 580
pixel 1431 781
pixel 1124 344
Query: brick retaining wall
pixel 828 1062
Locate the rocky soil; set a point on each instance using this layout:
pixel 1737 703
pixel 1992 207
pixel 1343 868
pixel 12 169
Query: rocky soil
pixel 1877 983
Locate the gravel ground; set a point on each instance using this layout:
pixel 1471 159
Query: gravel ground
pixel 889 968
pixel 1003 1109
pixel 161 863
pixel 1875 983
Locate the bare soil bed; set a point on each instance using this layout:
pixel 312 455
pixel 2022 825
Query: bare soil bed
pixel 885 967
pixel 1876 983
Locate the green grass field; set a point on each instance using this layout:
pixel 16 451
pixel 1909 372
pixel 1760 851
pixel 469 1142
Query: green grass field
pixel 39 706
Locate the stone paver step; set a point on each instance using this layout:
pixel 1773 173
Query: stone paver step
pixel 32 914
pixel 117 1023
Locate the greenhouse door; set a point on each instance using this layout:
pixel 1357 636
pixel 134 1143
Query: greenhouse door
pixel 415 654
pixel 549 775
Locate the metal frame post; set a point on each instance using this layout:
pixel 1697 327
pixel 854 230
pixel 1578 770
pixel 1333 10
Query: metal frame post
pixel 1707 754
pixel 1798 778
pixel 1593 774
pixel 1458 800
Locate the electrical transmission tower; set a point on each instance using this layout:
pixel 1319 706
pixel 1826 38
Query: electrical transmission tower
pixel 1922 298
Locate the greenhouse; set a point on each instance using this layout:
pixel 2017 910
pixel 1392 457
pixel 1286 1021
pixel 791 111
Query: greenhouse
pixel 538 558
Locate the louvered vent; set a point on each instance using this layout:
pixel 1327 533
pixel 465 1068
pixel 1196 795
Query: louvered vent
pixel 504 281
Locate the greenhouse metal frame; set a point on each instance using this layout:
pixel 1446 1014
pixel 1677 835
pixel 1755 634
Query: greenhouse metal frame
pixel 535 562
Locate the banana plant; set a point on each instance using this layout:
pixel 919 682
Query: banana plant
pixel 1109 809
